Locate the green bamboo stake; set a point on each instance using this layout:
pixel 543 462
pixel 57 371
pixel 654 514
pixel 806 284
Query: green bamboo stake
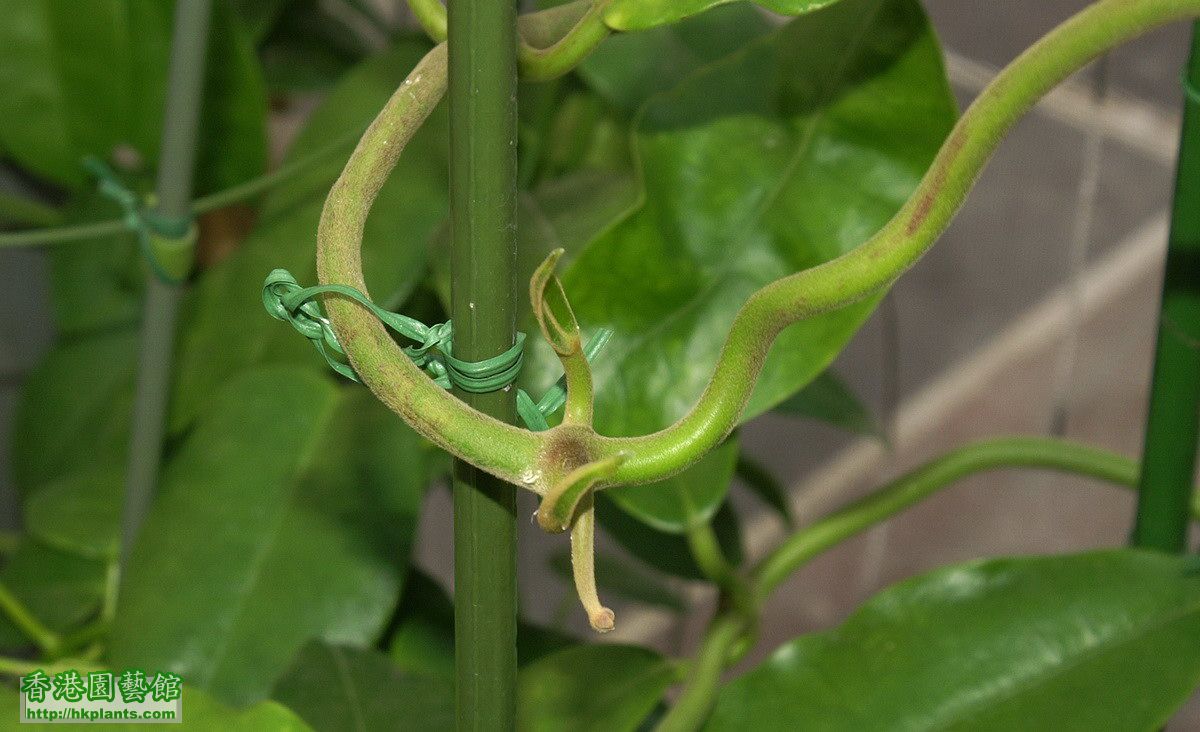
pixel 483 176
pixel 177 157
pixel 1169 456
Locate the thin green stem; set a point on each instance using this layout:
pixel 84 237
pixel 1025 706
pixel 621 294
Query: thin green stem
pixel 1173 419
pixel 26 211
pixel 916 485
pixel 700 685
pixel 706 550
pixel 536 460
pixel 483 185
pixel 25 621
pixel 264 183
pixel 212 202
pixel 62 234
pixel 189 46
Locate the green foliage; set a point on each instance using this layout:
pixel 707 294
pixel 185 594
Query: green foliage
pixel 86 78
pixel 74 409
pixel 285 538
pixel 1094 641
pixel 618 577
pixel 336 688
pixel 60 589
pixel 692 497
pixel 201 711
pixel 221 339
pixel 742 163
pixel 560 692
pixel 827 399
pixel 641 14
pixel 681 168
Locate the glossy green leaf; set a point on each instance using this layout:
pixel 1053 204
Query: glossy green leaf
pixel 641 14
pixel 629 68
pixel 336 688
pixel 60 589
pixel 686 499
pixel 827 399
pixel 200 711
pixel 289 508
pixel 227 328
pixel 74 409
pixel 85 78
pixel 618 577
pixel 774 159
pixel 79 513
pixel 668 553
pixel 1105 640
pixel 595 687
pixel 564 213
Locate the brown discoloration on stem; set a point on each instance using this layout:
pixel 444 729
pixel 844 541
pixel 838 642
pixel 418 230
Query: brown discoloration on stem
pixel 937 178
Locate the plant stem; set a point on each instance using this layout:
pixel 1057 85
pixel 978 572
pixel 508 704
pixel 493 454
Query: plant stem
pixel 525 457
pixel 700 687
pixel 44 638
pixel 26 211
pixel 916 485
pixel 189 45
pixel 483 179
pixel 1169 455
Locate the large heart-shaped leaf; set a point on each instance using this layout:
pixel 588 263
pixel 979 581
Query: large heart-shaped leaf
pixel 774 159
pixel 84 78
pixel 642 14
pixel 336 688
pixel 1105 640
pixel 74 409
pixel 226 327
pixel 199 711
pixel 597 687
pixel 288 510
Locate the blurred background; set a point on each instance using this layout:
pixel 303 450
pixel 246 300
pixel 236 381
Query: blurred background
pixel 1035 314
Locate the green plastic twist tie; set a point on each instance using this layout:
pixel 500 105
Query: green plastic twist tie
pixel 284 299
pixel 167 243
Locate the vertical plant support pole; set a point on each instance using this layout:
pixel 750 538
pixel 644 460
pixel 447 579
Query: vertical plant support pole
pixel 1169 456
pixel 483 177
pixel 189 44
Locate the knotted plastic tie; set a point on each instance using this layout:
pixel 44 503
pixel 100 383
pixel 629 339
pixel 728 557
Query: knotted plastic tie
pixel 286 300
pixel 168 243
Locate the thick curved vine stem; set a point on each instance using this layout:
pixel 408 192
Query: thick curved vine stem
pixel 539 461
pixel 552 42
